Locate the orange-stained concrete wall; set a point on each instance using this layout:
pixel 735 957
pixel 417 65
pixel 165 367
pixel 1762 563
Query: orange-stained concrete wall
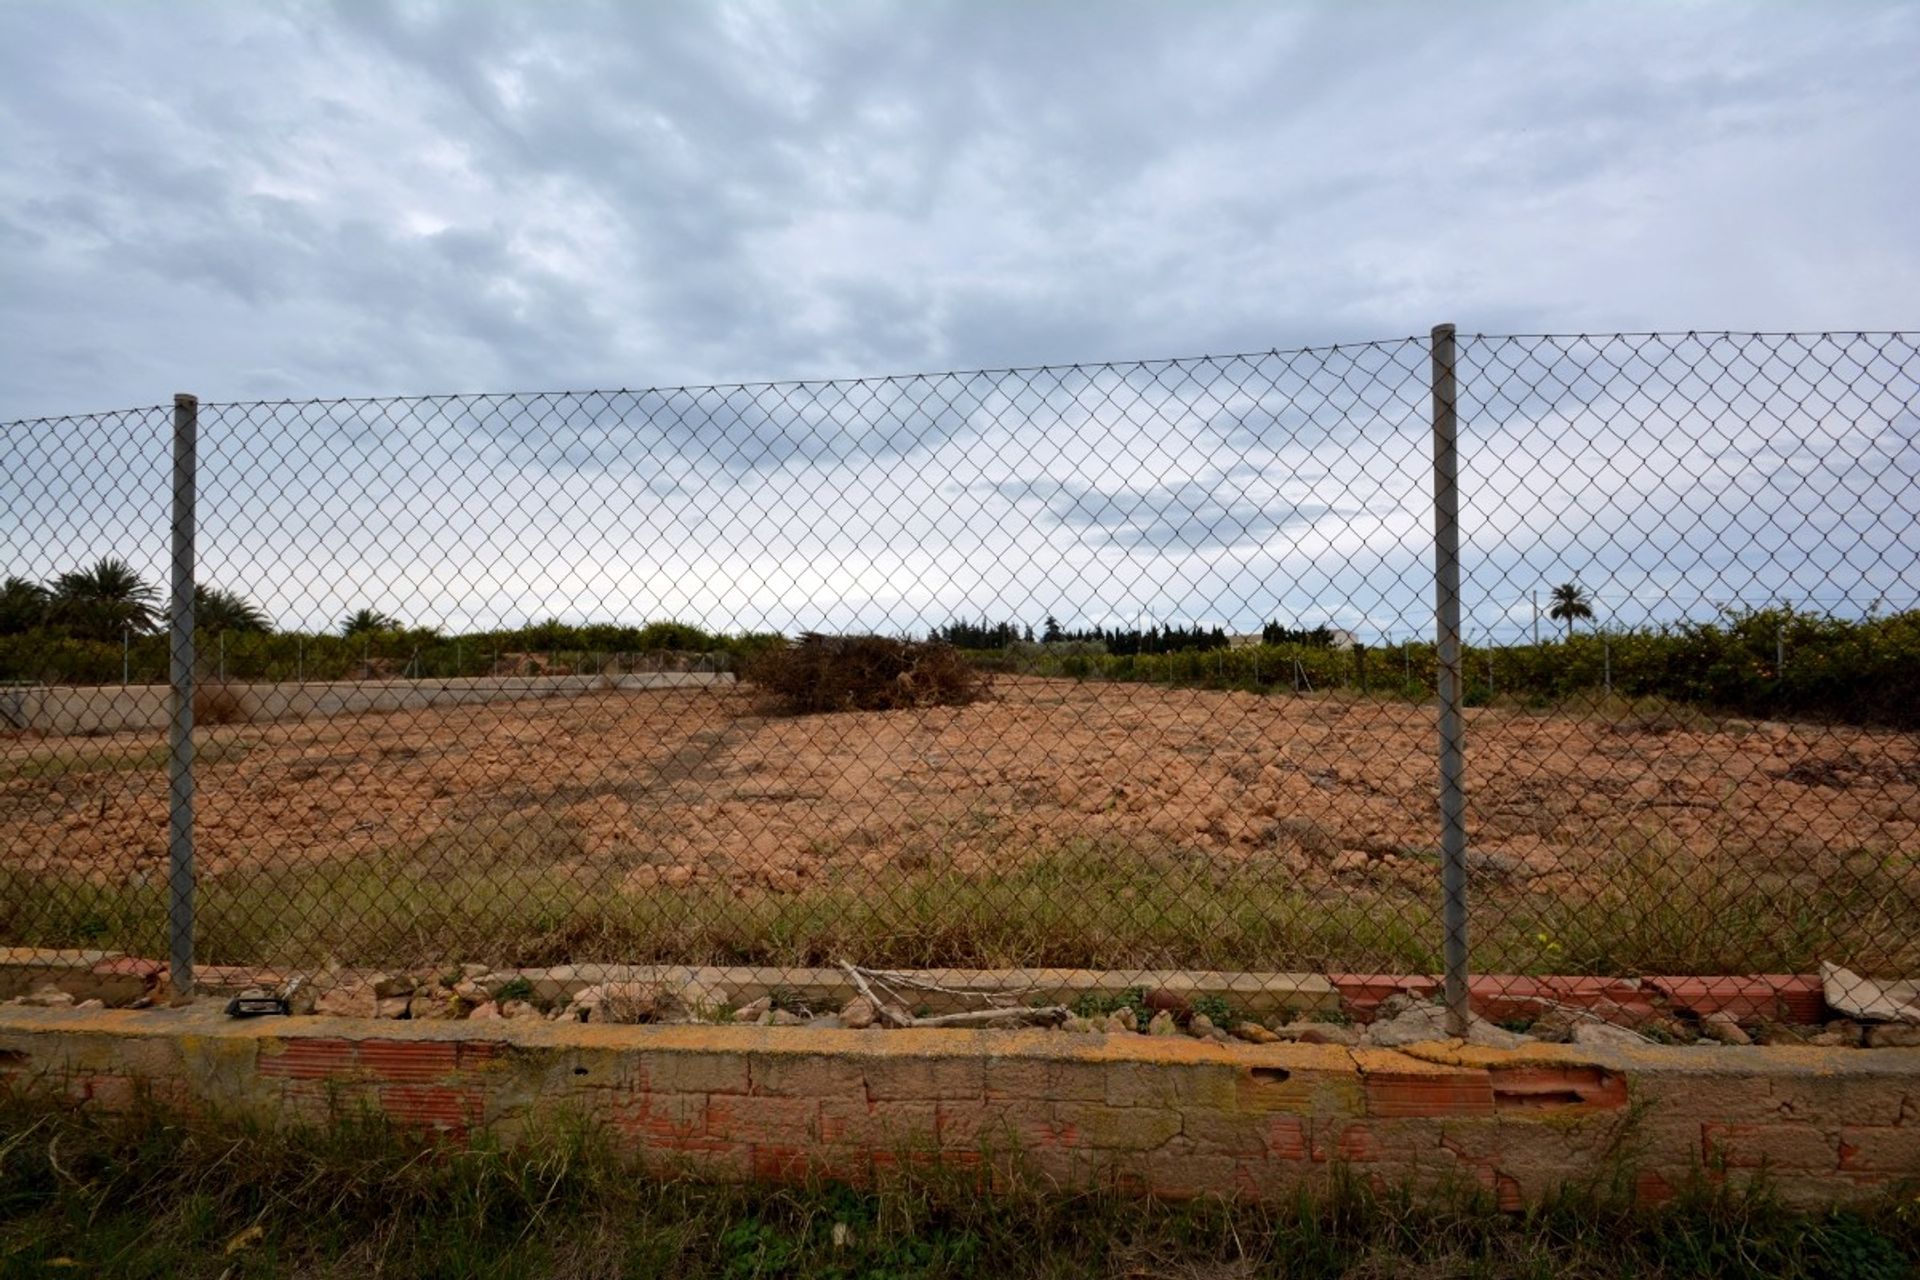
pixel 1169 1115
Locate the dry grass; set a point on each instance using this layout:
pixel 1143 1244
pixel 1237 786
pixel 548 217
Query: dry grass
pixel 865 673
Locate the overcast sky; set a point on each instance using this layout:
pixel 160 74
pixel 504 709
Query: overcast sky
pixel 293 200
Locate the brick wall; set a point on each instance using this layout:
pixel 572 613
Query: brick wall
pixel 1173 1116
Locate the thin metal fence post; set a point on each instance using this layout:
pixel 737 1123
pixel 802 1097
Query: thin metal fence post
pixel 1452 743
pixel 186 418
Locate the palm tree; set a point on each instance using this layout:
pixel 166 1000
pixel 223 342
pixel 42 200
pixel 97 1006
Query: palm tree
pixel 23 606
pixel 361 621
pixel 216 609
pixel 104 602
pixel 1570 601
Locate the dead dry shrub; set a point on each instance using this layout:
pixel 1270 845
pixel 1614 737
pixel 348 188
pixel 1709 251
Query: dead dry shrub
pixel 864 673
pixel 218 704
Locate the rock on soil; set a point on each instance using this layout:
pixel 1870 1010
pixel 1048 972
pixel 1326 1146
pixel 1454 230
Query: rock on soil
pixel 1724 1028
pixel 1428 1022
pixel 858 1014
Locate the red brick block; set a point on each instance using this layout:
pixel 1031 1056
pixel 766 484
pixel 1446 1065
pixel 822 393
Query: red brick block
pixel 779 1164
pixel 1361 993
pixel 1354 1143
pixel 1497 996
pixel 1557 1088
pixel 1393 1094
pixel 1287 1138
pixel 427 1106
pixel 408 1061
pixel 478 1053
pixel 308 1058
pixel 1785 996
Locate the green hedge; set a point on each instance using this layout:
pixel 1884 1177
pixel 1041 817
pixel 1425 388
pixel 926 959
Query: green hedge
pixel 1863 671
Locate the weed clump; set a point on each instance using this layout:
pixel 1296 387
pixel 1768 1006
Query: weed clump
pixel 821 673
pixel 218 704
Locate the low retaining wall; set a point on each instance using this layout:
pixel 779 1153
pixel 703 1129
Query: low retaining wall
pixel 1170 1116
pixel 60 709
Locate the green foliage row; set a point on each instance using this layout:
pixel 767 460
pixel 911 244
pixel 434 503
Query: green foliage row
pixel 1762 663
pixel 53 657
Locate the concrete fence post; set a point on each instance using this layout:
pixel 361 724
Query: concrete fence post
pixel 186 423
pixel 1452 744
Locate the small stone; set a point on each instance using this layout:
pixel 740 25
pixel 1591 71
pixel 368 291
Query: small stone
pixel 436 1005
pixel 827 1022
pixel 753 1010
pixel 487 1011
pixel 629 1002
pixel 1724 1028
pixel 47 997
pixel 1078 1025
pixel 1892 1035
pixel 1327 1033
pixel 393 1007
pixel 1605 1034
pixel 1349 860
pixel 1662 1029
pixel 782 1018
pixel 95 1003
pixel 1555 1026
pixel 1200 1027
pixel 387 985
pixel 858 1014
pixel 1492 862
pixel 475 970
pixel 1394 1005
pixel 1254 1033
pixel 496 982
pixel 353 1001
pixel 1122 1020
pixel 1163 1024
pixel 518 1009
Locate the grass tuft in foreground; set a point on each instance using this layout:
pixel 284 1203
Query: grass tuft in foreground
pixel 158 1195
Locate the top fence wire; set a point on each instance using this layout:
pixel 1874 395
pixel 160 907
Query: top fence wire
pixel 643 676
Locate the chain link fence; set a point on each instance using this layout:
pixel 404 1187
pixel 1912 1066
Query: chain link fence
pixel 542 678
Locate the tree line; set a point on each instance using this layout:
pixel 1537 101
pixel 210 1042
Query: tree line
pixel 1122 641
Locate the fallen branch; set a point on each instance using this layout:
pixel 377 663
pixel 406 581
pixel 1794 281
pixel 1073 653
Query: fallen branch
pixel 890 1014
pixel 1050 1016
pixel 882 1010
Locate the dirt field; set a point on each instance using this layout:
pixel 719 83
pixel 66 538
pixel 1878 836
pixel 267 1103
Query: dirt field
pixel 673 788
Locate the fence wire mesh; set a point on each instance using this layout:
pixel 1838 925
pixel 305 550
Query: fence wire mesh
pixel 533 679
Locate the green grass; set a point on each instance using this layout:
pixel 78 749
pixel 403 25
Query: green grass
pixel 1646 907
pixel 111 758
pixel 160 1195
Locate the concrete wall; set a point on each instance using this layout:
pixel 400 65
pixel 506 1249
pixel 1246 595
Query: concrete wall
pixel 1172 1116
pixel 63 709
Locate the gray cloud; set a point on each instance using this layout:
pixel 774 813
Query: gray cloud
pixel 380 199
